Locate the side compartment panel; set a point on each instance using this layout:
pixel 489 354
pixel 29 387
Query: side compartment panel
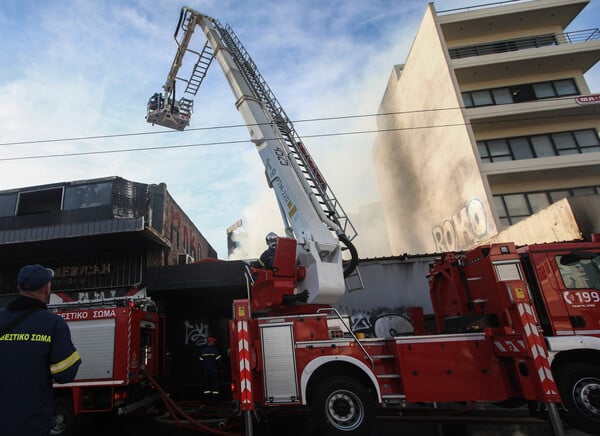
pixel 95 342
pixel 279 363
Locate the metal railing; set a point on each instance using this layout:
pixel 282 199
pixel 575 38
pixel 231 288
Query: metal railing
pixel 524 43
pixel 481 6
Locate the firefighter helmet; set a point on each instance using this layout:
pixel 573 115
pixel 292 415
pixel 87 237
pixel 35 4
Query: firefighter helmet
pixel 271 239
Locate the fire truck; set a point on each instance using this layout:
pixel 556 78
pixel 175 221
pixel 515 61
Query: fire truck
pixel 513 324
pixel 121 340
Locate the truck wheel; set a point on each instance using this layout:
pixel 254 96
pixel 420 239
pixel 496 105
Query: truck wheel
pixel 341 406
pixel 64 418
pixel 579 386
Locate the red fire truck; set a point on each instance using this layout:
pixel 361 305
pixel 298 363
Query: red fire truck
pixel 513 324
pixel 116 338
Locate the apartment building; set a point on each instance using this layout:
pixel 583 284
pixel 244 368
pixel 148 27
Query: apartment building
pixel 490 128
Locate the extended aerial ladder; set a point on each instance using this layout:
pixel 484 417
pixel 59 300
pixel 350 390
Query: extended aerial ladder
pixel 310 210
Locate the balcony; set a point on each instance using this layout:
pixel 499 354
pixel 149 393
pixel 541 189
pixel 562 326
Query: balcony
pixel 542 55
pixel 507 17
pixel 524 43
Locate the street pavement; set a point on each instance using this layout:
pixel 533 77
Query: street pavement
pixel 498 423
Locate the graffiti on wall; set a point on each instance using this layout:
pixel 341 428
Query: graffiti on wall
pixel 182 236
pixel 195 334
pixel 464 229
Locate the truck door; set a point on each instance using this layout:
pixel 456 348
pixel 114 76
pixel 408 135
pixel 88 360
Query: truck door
pixel 568 288
pixel 579 282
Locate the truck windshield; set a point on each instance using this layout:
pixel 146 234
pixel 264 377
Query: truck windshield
pixel 580 273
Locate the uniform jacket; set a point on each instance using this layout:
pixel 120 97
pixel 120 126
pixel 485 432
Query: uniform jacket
pixel 32 354
pixel 210 358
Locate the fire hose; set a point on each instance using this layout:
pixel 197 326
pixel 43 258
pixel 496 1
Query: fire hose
pixel 174 410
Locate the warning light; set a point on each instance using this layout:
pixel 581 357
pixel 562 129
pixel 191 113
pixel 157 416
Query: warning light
pixel 233 388
pixel 131 304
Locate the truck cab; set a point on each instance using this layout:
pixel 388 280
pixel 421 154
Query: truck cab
pixel 565 284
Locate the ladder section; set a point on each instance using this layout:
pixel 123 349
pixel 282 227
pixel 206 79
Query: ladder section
pixel 303 164
pixel 198 74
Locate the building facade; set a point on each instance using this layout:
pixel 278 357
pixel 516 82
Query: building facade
pixel 488 123
pixel 98 235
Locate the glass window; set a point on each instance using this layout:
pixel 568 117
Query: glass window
pixel 467 99
pixel 8 203
pixel 520 148
pixel 538 201
pixel 587 137
pixel 482 98
pixel 558 195
pixel 544 90
pixel 592 149
pixel 500 206
pixel 499 150
pixel 516 204
pixel 483 152
pixel 522 93
pixel 505 222
pixel 502 96
pixel 83 196
pixel 563 140
pixel 584 191
pixel 581 274
pixel 565 87
pixel 542 146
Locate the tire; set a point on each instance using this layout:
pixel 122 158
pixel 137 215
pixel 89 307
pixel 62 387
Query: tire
pixel 342 406
pixel 64 417
pixel 579 387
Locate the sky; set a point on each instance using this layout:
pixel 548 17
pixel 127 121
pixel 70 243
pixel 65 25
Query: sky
pixel 78 69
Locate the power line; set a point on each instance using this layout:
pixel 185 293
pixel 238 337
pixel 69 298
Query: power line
pixel 243 141
pixel 196 129
pixel 229 142
pixel 234 126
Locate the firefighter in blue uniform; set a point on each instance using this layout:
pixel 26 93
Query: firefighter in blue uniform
pixel 211 369
pixel 35 349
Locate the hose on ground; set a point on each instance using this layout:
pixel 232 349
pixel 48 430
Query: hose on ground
pixel 175 410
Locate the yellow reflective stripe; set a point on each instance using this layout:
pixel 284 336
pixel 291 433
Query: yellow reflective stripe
pixel 65 364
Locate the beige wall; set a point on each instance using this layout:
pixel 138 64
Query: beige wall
pixel 434 198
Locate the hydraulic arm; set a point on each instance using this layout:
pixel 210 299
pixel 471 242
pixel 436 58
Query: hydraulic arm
pixel 310 210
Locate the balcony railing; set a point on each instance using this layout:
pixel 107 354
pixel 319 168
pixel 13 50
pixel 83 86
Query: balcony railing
pixel 524 43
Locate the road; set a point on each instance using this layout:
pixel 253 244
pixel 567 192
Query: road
pixel 498 422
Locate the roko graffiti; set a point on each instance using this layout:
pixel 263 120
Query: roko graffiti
pixel 465 228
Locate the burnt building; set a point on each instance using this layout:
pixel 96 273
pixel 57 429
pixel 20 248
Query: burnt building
pixel 98 235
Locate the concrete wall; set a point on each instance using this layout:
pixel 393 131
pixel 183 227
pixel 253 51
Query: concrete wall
pixel 433 196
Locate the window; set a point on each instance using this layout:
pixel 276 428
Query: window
pixel 538 201
pixel 482 98
pixel 91 195
pixel 581 273
pixel 543 90
pixel 520 93
pixel 543 146
pixel 502 96
pixel 7 204
pixel 512 208
pixel 520 148
pixel 36 202
pixel 529 147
